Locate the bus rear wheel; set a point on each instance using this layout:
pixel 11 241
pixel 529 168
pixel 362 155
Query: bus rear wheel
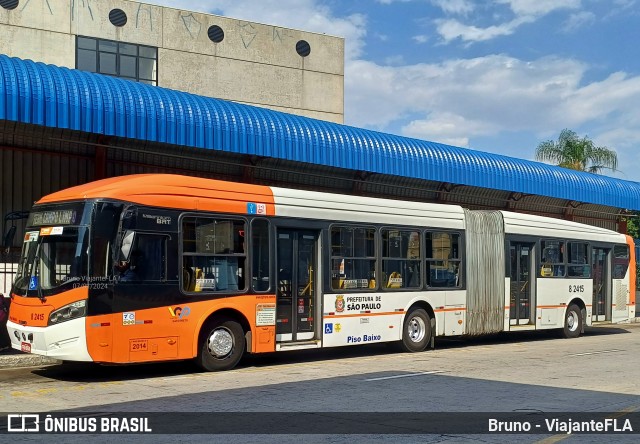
pixel 572 322
pixel 222 345
pixel 416 331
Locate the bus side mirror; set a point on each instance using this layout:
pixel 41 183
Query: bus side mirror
pixel 8 238
pixel 127 242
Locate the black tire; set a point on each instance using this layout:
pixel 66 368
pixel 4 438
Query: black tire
pixel 416 331
pixel 572 322
pixel 222 344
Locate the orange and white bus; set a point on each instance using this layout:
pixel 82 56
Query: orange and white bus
pixel 162 267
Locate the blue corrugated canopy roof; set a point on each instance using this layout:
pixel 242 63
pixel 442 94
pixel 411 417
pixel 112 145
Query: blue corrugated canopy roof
pixel 35 93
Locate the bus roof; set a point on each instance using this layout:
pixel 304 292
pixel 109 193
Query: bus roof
pixel 200 194
pixel 170 191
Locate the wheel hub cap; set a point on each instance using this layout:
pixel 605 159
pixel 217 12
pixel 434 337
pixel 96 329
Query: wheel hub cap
pixel 220 343
pixel 572 322
pixel 416 329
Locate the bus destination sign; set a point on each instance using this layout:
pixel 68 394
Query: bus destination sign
pixel 57 217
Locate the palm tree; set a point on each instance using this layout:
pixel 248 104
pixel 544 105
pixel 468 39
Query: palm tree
pixel 575 153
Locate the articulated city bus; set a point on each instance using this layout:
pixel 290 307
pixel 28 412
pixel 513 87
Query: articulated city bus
pixel 163 267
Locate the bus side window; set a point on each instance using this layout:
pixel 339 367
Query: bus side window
pixel 213 254
pixel 260 254
pixel 147 261
pixel 553 260
pixel 578 260
pixel 620 261
pixel 400 258
pixel 353 258
pixel 443 259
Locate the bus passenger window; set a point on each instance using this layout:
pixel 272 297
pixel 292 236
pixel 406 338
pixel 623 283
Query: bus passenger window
pixel 353 261
pixel 400 259
pixel 213 255
pixel 260 254
pixel 553 260
pixel 620 261
pixel 443 259
pixel 578 260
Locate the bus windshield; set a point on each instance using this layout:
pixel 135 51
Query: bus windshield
pixel 52 260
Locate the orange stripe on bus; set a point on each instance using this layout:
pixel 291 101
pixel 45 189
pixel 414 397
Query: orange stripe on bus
pixel 545 306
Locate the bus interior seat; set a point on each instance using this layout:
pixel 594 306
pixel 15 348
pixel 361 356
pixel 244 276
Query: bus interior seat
pixel 188 280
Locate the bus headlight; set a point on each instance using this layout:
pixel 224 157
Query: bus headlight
pixel 72 311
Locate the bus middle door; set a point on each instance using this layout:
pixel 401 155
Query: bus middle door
pixel 296 292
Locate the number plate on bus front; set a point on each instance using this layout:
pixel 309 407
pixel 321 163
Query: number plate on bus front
pixel 25 347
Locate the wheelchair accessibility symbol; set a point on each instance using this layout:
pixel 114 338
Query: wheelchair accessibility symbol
pixel 328 328
pixel 33 283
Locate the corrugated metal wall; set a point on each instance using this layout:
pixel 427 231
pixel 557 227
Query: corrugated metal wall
pixel 27 175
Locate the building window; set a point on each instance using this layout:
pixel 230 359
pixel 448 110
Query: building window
pixel 117 17
pixel 215 33
pixel 303 48
pixel 126 60
pixel 9 4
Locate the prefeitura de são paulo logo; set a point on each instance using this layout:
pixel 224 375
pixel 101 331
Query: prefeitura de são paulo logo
pixel 340 304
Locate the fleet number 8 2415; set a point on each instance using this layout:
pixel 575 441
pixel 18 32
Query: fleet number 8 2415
pixel 576 288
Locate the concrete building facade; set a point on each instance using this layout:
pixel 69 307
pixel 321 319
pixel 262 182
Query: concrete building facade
pixel 269 66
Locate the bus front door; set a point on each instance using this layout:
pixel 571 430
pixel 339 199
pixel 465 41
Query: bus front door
pixel 520 305
pixel 296 292
pixel 600 279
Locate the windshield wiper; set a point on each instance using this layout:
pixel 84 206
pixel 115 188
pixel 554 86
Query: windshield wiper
pixel 40 296
pixel 34 274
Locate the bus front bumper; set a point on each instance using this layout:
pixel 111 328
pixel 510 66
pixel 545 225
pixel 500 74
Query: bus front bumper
pixel 65 341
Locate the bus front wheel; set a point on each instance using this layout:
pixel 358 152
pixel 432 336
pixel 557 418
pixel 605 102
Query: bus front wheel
pixel 416 331
pixel 222 345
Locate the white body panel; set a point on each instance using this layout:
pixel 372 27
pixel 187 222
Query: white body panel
pixel 65 341
pixel 532 225
pixel 549 298
pixel 378 317
pixel 344 208
pixel 621 309
pixel 554 296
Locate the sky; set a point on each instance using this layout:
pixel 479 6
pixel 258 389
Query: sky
pixel 498 76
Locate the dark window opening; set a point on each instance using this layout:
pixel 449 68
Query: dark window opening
pixel 125 60
pixel 215 33
pixel 303 48
pixel 117 17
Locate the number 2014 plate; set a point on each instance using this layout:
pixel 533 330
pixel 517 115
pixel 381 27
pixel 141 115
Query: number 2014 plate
pixel 138 345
